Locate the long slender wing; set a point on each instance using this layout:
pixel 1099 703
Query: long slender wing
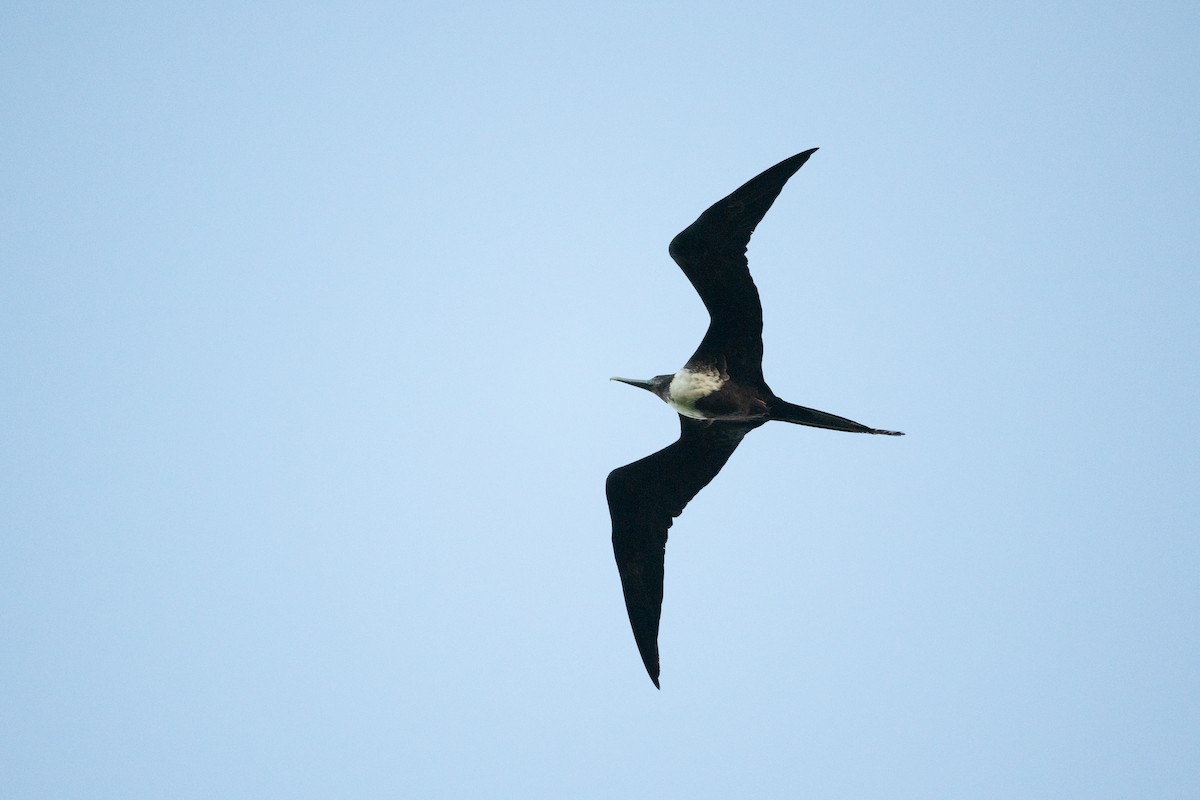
pixel 712 254
pixel 643 497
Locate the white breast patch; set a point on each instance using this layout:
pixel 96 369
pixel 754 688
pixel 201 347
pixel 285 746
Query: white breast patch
pixel 687 387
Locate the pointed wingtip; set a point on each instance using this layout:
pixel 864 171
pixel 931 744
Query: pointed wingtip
pixel 794 163
pixel 652 668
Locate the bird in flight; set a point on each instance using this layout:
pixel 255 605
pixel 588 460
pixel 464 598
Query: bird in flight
pixel 720 396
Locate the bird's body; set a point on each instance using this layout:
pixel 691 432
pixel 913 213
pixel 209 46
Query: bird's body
pixel 720 396
pixel 705 394
pixel 691 393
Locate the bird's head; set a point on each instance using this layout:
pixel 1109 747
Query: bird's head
pixel 658 384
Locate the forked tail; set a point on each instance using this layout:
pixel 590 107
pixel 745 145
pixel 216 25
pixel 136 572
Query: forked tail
pixel 787 412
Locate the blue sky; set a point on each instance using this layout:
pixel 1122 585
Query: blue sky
pixel 309 315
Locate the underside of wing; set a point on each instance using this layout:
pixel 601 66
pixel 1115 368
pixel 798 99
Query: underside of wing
pixel 712 254
pixel 643 498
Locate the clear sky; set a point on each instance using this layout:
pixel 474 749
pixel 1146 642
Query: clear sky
pixel 308 318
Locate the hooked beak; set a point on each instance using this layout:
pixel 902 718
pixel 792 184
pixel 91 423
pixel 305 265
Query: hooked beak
pixel 647 385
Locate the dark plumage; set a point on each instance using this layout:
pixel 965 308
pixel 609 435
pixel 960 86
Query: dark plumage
pixel 720 395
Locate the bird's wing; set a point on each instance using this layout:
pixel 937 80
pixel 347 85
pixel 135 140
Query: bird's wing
pixel 712 254
pixel 643 497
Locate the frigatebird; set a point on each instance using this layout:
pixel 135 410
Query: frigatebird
pixel 720 396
